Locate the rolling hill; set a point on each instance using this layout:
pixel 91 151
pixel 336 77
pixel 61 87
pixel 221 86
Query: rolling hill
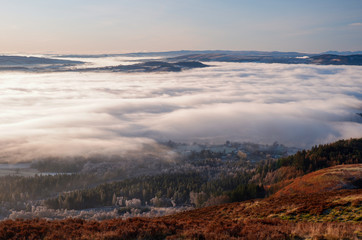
pixel 324 201
pixel 319 59
pixel 332 215
pixel 328 179
pixel 323 213
pixel 25 63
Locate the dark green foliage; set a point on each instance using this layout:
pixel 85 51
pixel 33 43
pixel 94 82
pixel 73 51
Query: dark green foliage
pixel 174 186
pixel 210 176
pixel 59 165
pixel 238 185
pixel 322 156
pixel 247 191
pixel 144 188
pixel 17 188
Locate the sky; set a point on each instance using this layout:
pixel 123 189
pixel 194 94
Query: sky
pixel 120 26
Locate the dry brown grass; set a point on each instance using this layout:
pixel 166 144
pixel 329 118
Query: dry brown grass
pixel 160 228
pixel 255 219
pixel 328 179
pixel 316 215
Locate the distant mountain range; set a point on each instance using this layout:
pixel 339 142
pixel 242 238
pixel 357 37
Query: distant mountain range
pixel 24 63
pixel 343 52
pixel 188 52
pixel 175 61
pixel 24 60
pixel 150 66
pixel 324 59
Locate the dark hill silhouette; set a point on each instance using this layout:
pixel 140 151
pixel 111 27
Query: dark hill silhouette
pixel 324 59
pixel 150 66
pixel 23 60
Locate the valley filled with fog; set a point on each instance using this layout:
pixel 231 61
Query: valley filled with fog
pixel 101 137
pixel 87 113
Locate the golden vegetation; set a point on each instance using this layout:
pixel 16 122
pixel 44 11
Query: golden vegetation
pixel 328 215
pixel 328 179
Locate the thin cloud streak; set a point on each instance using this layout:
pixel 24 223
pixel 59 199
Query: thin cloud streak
pixel 357 24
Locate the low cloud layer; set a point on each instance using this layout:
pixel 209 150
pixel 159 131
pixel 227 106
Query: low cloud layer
pixel 69 114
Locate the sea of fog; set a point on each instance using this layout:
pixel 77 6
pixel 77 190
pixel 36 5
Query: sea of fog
pixel 72 113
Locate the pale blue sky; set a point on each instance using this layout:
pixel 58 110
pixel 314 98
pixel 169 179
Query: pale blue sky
pixel 116 26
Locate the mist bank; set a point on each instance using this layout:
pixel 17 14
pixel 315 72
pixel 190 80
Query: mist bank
pixel 86 113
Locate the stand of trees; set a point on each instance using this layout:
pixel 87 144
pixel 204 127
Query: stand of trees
pixel 207 180
pixel 197 188
pixel 18 188
pixel 172 186
pixel 322 156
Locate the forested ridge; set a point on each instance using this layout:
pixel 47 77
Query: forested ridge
pixel 172 186
pixel 318 157
pixel 207 180
pixel 290 215
pixel 17 188
pixel 198 189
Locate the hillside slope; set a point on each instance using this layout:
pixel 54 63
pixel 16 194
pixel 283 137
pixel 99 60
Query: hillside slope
pixel 328 179
pixel 322 204
pixel 316 216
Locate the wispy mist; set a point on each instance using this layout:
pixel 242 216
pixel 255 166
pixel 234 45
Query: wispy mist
pixel 114 113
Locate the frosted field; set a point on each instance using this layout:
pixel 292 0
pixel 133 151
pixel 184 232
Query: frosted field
pixel 49 114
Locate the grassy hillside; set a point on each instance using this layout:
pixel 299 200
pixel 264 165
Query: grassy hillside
pixel 276 174
pixel 328 179
pixel 330 215
pixel 319 197
pixel 320 213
